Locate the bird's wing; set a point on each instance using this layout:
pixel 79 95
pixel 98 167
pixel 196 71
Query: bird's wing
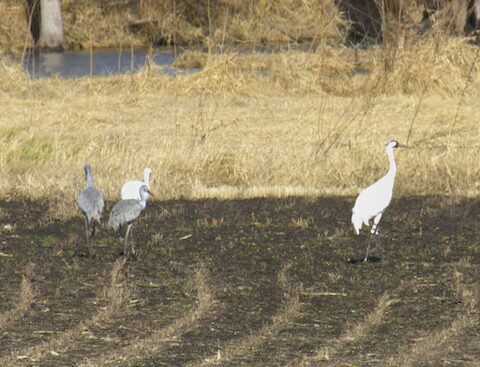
pixel 125 211
pixel 373 200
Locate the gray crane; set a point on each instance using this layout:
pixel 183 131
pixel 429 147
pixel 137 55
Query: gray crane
pixel 126 212
pixel 90 202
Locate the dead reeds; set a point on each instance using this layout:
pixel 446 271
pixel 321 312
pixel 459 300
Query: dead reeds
pixel 223 133
pixel 292 123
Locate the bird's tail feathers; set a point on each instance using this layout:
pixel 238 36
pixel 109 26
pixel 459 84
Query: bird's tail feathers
pixel 357 222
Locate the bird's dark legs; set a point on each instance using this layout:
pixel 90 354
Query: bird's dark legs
pixel 373 232
pixel 368 247
pixel 86 230
pixel 126 241
pixel 93 228
pixel 132 242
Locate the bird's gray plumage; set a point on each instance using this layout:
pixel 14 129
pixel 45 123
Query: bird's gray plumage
pixel 126 212
pixel 90 202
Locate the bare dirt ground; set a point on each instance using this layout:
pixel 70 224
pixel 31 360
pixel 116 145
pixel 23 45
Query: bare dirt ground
pixel 252 283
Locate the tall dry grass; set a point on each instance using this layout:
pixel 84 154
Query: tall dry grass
pixel 253 125
pixel 215 25
pixel 249 125
pixel 14 33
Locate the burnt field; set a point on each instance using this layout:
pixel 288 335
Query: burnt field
pixel 266 282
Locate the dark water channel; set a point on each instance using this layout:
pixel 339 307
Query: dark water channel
pixel 104 62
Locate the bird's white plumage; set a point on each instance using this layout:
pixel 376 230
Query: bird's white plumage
pixel 372 202
pixel 131 189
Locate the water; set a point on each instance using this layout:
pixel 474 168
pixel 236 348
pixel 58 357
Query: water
pixel 105 62
pixel 108 62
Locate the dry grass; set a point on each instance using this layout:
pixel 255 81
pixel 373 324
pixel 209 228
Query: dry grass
pixel 90 23
pixel 301 223
pixel 430 64
pixel 246 346
pixel 232 134
pixel 115 295
pixel 295 123
pixel 159 338
pixel 216 25
pixel 25 299
pixel 14 34
pixel 357 331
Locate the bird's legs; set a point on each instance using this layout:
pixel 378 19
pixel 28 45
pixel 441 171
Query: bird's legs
pixel 368 247
pixel 126 240
pixel 86 229
pixel 132 243
pixel 373 232
pixel 93 228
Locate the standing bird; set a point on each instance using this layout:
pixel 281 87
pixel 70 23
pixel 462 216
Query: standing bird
pixel 372 202
pixel 126 212
pixel 131 189
pixel 90 202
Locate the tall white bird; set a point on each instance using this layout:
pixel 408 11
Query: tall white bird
pixel 126 212
pixel 372 202
pixel 90 202
pixel 131 189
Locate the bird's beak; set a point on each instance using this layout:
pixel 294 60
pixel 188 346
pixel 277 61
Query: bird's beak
pixel 150 193
pixel 403 146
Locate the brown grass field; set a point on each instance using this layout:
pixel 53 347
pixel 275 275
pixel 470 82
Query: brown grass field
pixel 306 127
pixel 247 254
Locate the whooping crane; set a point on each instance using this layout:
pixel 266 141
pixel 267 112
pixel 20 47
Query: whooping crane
pixel 131 189
pixel 372 202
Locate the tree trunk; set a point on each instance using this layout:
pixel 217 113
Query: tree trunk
pixel 51 31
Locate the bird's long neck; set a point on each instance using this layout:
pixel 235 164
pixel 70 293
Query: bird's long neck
pixel 146 178
pixel 89 177
pixel 393 166
pixel 142 201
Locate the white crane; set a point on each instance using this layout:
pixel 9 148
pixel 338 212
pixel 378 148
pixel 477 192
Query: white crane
pixel 131 189
pixel 372 202
pixel 126 212
pixel 90 202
